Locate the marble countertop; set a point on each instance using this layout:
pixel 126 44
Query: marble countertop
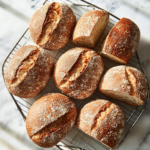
pixel 14 18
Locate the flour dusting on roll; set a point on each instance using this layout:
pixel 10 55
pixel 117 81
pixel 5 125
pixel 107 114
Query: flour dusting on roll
pixel 126 84
pixel 121 42
pixel 78 71
pixel 103 121
pixel 51 26
pixel 50 118
pixel 29 71
pixel 90 27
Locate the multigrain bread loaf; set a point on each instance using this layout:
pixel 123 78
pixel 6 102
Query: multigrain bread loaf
pixel 126 84
pixel 103 121
pixel 121 42
pixel 50 118
pixel 90 27
pixel 28 71
pixel 51 25
pixel 78 71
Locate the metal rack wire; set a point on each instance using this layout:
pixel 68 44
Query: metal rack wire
pixel 76 139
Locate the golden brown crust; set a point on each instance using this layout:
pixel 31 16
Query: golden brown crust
pixel 140 84
pixel 126 84
pixel 85 27
pixel 116 79
pixel 37 21
pixel 88 115
pixel 55 137
pixel 122 41
pixel 46 111
pixel 64 64
pixel 60 34
pixel 77 72
pixel 102 120
pixel 36 78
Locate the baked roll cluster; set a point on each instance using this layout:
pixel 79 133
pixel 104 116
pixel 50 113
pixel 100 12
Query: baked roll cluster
pixel 77 74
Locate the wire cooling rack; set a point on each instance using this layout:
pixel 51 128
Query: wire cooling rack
pixel 76 139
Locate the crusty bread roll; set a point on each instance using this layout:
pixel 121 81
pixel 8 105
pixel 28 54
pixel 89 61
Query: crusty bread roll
pixel 51 25
pixel 125 84
pixel 103 121
pixel 28 71
pixel 50 118
pixel 121 42
pixel 78 71
pixel 90 27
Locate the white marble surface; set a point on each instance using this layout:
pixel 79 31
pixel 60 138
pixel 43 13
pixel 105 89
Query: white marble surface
pixel 14 18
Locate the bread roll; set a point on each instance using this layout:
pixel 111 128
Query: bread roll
pixel 126 84
pixel 90 27
pixel 50 118
pixel 78 71
pixel 122 41
pixel 103 121
pixel 28 71
pixel 51 25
